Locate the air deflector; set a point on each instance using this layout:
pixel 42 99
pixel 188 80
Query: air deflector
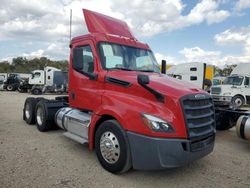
pixel 99 23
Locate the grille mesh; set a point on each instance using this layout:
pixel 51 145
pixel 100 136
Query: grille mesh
pixel 199 116
pixel 215 90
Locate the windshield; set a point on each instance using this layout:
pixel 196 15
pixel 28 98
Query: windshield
pixel 233 80
pixel 216 82
pixel 35 75
pixel 116 56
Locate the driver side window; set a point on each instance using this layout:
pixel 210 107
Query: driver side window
pixel 83 60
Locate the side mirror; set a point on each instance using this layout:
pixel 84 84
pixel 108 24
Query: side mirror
pixel 163 66
pixel 143 79
pixel 78 59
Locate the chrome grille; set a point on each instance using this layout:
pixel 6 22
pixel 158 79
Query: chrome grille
pixel 199 116
pixel 215 90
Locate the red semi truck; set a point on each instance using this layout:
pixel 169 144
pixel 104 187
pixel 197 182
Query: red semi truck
pixel 121 105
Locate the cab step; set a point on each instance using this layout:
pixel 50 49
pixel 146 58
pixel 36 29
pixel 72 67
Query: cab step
pixel 75 138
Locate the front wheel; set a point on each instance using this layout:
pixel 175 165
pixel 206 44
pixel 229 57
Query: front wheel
pixel 36 91
pixel 112 148
pixel 238 101
pixel 10 88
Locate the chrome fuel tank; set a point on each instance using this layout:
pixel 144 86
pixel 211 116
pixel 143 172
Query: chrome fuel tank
pixel 73 121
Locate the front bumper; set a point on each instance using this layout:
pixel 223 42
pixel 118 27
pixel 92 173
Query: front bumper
pixel 149 153
pixel 222 100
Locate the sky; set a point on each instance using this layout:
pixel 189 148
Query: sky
pixel 210 31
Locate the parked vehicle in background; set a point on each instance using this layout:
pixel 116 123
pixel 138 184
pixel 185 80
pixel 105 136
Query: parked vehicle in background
pixel 235 89
pixel 218 80
pixel 123 107
pixel 49 80
pixel 12 82
pixel 198 74
pixel 2 79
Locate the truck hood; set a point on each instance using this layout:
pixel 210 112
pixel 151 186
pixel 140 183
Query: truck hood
pixel 164 84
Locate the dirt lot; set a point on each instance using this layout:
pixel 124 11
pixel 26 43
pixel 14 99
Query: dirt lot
pixel 29 158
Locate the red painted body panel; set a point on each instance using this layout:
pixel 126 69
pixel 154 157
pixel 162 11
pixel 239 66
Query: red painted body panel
pixel 99 23
pixel 125 104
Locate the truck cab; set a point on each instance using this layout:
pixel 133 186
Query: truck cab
pixel 12 82
pixel 235 89
pixel 121 105
pixel 43 77
pixel 50 80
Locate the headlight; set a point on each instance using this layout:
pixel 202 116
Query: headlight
pixel 225 94
pixel 156 124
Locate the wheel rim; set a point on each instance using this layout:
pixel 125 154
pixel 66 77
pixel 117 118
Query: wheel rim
pixel 9 87
pixel 27 110
pixel 110 147
pixel 39 116
pixel 238 102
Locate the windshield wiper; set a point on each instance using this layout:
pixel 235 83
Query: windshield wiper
pixel 121 68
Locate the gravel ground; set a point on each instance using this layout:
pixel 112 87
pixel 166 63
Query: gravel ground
pixel 29 158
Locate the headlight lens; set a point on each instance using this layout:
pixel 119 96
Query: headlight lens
pixel 156 124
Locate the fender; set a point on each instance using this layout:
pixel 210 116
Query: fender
pixel 126 109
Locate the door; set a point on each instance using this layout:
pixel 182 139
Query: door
pixel 85 85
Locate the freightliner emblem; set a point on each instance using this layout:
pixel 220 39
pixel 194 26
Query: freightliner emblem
pixel 200 96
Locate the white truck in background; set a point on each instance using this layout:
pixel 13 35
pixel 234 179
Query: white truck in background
pixel 198 74
pixel 3 77
pixel 235 89
pixel 49 80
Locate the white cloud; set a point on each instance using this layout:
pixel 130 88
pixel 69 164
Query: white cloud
pixel 50 18
pixel 240 36
pixel 207 10
pixel 216 16
pixel 242 4
pixel 196 54
pixel 169 59
pixel 146 21
pixel 232 36
pixel 47 21
pixel 38 53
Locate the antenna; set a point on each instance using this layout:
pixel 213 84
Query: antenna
pixel 70 24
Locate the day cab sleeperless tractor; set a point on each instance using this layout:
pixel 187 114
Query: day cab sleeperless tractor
pixel 123 107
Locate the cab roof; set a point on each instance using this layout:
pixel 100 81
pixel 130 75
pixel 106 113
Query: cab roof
pixel 99 37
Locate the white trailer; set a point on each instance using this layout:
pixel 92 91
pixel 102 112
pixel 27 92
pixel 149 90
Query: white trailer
pixel 194 73
pixel 235 89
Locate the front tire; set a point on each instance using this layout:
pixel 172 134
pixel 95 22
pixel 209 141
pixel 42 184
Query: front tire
pixel 238 101
pixel 36 91
pixel 112 147
pixel 10 88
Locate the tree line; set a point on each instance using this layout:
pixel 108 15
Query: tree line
pixel 24 65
